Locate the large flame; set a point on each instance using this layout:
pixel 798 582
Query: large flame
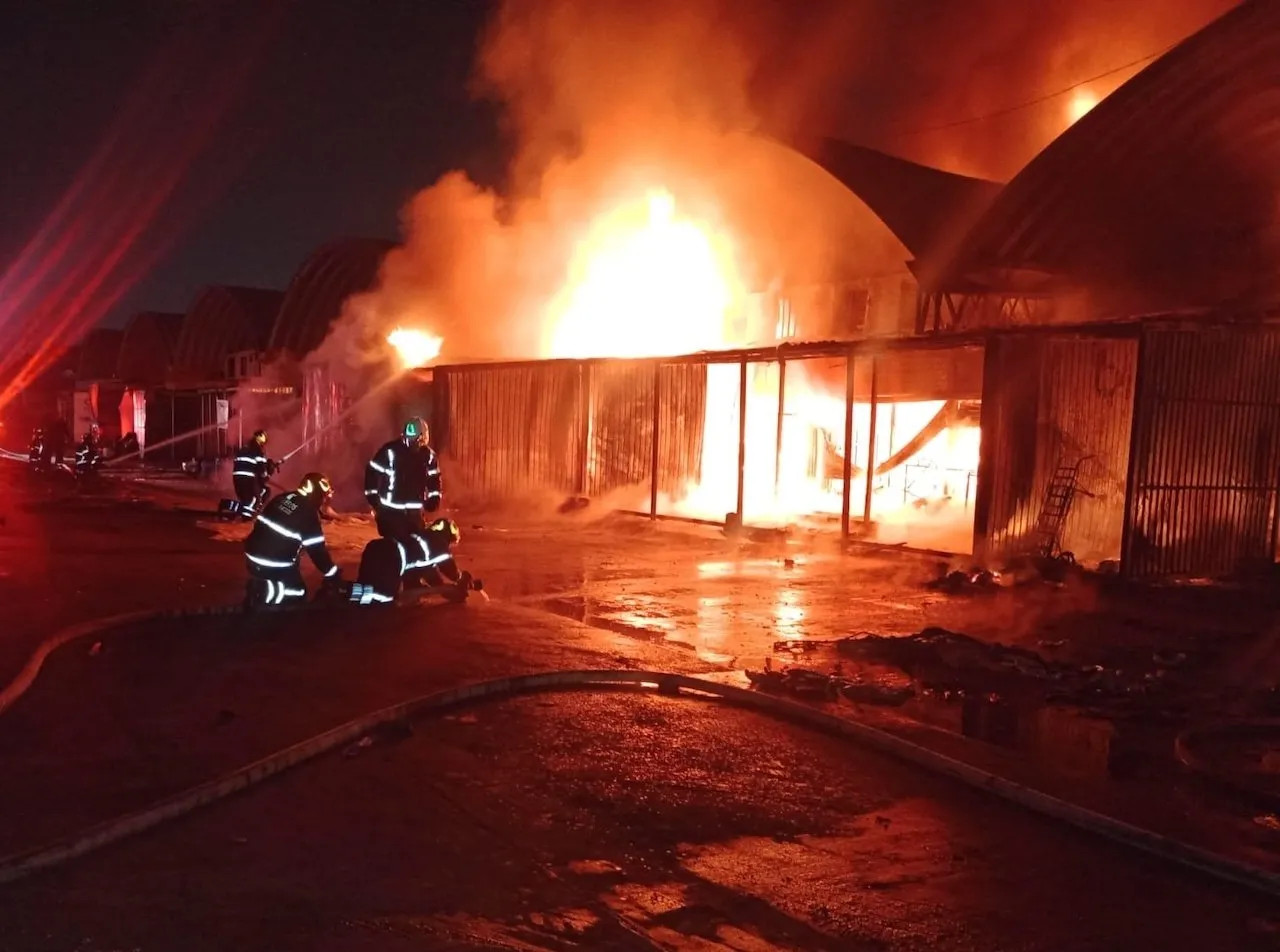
pixel 646 282
pixel 415 347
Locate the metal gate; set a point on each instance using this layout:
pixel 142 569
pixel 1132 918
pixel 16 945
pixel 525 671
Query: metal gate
pixel 1205 464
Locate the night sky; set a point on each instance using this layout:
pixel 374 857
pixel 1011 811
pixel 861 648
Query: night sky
pixel 345 111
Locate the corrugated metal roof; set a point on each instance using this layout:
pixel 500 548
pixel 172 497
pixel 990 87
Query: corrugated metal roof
pixel 1164 192
pixel 146 352
pixel 927 209
pixel 222 319
pixel 99 353
pixel 314 299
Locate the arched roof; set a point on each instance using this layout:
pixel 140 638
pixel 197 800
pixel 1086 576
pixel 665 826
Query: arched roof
pixel 1165 190
pixel 148 346
pixel 221 320
pixel 316 293
pixel 927 209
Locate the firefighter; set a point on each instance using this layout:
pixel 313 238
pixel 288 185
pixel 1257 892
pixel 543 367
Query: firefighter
pixel 249 475
pixel 89 453
pixel 425 559
pixel 36 452
pixel 402 481
pixel 273 552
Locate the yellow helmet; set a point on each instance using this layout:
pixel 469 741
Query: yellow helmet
pixel 449 528
pixel 317 485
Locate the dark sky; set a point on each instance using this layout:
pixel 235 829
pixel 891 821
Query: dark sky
pixel 346 110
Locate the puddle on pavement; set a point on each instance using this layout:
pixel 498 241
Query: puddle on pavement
pixel 641 622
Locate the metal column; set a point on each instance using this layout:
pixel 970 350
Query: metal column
pixel 849 367
pixel 871 440
pixel 653 461
pixel 742 436
pixel 777 448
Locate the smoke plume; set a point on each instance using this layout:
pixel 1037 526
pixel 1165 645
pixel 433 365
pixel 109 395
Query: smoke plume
pixel 606 98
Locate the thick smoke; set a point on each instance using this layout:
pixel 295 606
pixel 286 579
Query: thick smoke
pixel 605 100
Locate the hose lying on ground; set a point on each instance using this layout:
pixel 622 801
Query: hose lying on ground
pixel 23 864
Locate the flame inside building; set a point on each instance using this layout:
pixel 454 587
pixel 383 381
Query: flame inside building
pixel 650 281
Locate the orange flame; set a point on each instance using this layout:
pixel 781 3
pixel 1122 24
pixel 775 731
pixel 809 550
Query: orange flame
pixel 416 348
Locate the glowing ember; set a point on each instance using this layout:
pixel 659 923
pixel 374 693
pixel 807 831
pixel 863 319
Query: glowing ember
pixel 1080 105
pixel 646 282
pixel 415 347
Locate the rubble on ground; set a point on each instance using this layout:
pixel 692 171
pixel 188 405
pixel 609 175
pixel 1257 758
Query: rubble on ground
pixel 807 684
pixel 1024 570
pixel 940 660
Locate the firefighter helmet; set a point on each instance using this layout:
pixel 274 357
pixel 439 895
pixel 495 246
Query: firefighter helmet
pixel 448 528
pixel 260 437
pixel 416 432
pixel 317 486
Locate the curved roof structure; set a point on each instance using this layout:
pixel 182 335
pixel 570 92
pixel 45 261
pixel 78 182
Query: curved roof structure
pixel 927 209
pixel 220 321
pixel 146 352
pixel 1163 193
pixel 316 293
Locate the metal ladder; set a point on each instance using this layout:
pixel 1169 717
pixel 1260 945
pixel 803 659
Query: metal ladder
pixel 1046 536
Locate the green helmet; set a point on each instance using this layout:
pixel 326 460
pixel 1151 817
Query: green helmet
pixel 416 432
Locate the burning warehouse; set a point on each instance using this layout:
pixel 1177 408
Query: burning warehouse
pixel 1081 360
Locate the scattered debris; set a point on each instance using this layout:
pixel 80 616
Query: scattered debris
pixel 788 563
pixel 1268 821
pixel 807 684
pixel 1048 643
pixel 95 648
pixel 358 746
pixel 965 582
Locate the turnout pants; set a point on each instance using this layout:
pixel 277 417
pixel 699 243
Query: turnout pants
pixel 274 586
pixel 251 494
pixel 381 568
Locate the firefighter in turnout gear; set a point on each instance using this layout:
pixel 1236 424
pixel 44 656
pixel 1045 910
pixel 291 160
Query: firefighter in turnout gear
pixel 425 560
pixel 402 482
pixel 250 473
pixel 36 451
pixel 288 525
pixel 88 453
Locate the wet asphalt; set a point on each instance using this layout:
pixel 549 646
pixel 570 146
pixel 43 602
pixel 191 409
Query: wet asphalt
pixel 618 821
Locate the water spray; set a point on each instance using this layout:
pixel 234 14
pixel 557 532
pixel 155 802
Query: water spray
pixel 339 418
pixel 155 446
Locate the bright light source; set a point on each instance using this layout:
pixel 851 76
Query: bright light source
pixel 1080 104
pixel 415 347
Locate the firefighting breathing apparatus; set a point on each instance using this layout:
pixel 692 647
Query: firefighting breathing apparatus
pixel 23 864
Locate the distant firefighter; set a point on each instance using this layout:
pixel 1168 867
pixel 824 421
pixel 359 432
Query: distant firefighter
pixel 402 481
pixel 250 474
pixel 287 526
pixel 89 452
pixel 36 452
pixel 425 559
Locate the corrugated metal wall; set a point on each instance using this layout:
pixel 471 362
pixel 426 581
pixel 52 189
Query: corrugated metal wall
pixel 1007 460
pixel 683 408
pixel 1206 452
pixel 622 399
pixel 1049 402
pixel 512 430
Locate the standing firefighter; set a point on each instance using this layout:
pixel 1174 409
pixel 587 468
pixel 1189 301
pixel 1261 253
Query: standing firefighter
pixel 36 451
pixel 250 473
pixel 402 481
pixel 89 453
pixel 273 552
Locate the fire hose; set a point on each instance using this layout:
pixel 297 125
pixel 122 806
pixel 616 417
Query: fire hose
pixel 25 863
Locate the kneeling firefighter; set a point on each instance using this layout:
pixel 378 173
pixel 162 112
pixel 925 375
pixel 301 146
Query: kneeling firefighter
pixel 424 559
pixel 250 473
pixel 273 552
